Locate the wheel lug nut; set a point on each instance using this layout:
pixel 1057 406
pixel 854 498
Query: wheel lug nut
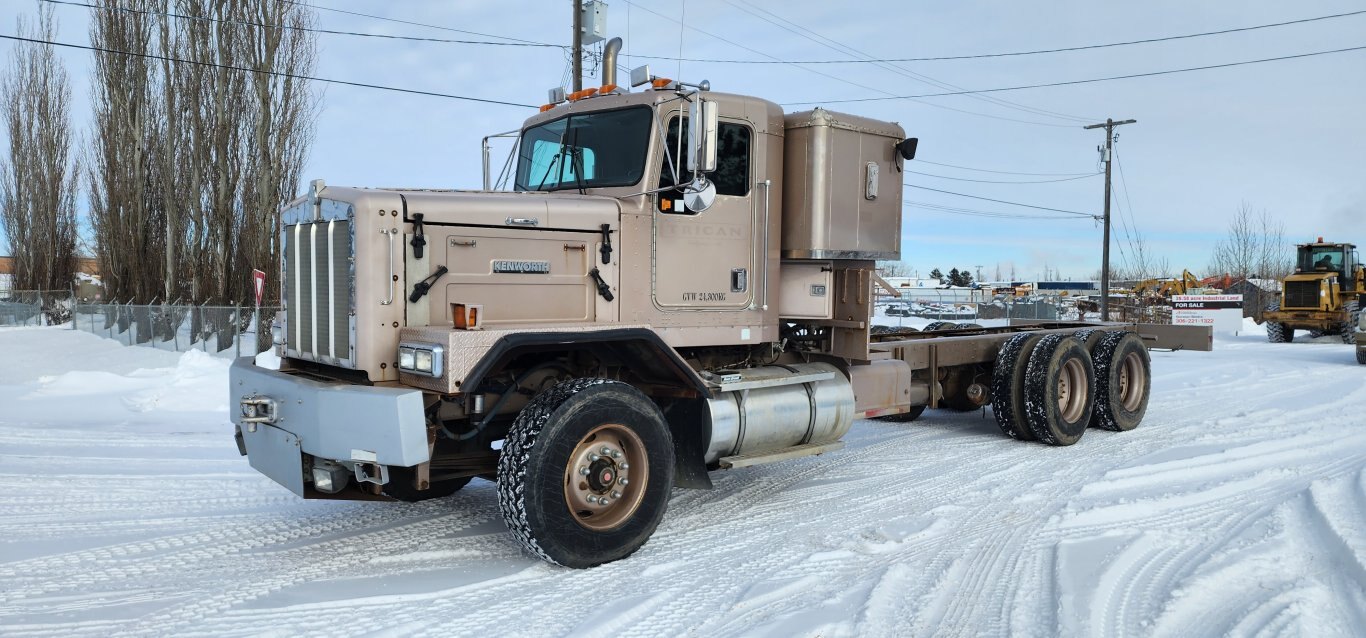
pixel 583 471
pixel 624 482
pixel 606 450
pixel 616 494
pixel 592 458
pixel 593 500
pixel 616 454
pixel 625 466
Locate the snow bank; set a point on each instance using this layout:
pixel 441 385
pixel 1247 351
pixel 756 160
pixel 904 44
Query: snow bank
pixel 65 377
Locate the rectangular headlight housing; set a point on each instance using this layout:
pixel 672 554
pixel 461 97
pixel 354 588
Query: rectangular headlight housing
pixel 421 358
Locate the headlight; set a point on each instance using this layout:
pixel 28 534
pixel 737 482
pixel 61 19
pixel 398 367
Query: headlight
pixel 421 358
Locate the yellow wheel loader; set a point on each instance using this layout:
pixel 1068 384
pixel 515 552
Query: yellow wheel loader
pixel 1323 296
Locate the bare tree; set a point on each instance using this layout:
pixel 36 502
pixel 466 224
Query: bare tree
pixel 126 210
pixel 38 181
pixel 223 126
pixel 1255 246
pixel 892 269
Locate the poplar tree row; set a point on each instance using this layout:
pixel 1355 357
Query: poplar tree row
pixel 199 129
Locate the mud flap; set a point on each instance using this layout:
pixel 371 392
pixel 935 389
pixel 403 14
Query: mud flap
pixel 691 432
pixel 275 453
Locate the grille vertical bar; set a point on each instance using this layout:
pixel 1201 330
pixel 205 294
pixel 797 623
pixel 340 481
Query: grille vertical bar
pixel 339 235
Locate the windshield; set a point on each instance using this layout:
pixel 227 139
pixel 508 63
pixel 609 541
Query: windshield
pixel 1321 258
pixel 585 150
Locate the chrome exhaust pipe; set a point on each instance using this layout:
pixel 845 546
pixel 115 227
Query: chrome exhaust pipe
pixel 609 61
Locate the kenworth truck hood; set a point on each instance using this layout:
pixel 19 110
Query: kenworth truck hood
pixel 350 265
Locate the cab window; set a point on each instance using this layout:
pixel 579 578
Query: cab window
pixel 732 163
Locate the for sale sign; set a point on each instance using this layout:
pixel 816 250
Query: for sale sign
pixel 258 279
pixel 1224 313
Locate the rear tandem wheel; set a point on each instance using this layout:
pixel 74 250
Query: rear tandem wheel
pixel 1059 390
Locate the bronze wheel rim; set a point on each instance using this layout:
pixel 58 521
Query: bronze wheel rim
pixel 1072 390
pixel 604 481
pixel 1132 380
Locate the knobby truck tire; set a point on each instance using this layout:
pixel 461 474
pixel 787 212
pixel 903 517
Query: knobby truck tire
pixel 1007 385
pixel 1059 392
pixel 533 471
pixel 1123 381
pixel 1089 337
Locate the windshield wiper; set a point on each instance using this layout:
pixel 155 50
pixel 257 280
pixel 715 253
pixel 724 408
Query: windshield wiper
pixel 553 161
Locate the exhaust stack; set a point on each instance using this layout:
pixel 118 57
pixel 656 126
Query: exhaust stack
pixel 609 61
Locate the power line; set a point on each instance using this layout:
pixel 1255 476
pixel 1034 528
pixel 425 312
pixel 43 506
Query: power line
pixel 294 76
pixel 998 181
pixel 987 170
pixel 416 24
pixel 827 42
pixel 1002 201
pixel 306 29
pixel 1016 53
pixel 1086 81
pixel 982 213
pixel 834 77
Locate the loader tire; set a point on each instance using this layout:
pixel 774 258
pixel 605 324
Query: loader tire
pixel 1278 332
pixel 938 325
pixel 1349 328
pixel 400 486
pixel 573 443
pixel 1361 356
pixel 905 417
pixel 1060 384
pixel 1007 385
pixel 1123 381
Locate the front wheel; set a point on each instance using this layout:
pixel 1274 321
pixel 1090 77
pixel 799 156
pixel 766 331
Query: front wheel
pixel 1278 332
pixel 585 472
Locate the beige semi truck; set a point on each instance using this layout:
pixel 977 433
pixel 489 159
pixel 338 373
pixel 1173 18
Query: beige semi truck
pixel 680 282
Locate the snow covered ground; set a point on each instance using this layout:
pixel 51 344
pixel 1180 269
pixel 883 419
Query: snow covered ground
pixel 1238 507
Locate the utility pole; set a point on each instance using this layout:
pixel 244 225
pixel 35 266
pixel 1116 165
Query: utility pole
pixel 578 46
pixel 1109 127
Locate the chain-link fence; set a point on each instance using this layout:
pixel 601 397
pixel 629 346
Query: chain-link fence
pixel 225 330
pixel 954 305
pixel 35 307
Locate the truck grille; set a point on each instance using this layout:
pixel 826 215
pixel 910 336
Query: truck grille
pixel 319 287
pixel 1301 294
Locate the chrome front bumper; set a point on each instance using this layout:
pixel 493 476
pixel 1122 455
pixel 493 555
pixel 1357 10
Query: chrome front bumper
pixel 280 417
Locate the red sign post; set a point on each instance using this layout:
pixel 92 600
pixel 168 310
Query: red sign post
pixel 258 278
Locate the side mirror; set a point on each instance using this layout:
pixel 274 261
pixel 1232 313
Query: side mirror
pixel 699 195
pixel 702 128
pixel 907 146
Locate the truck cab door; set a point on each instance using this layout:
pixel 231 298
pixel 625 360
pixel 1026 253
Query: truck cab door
pixel 706 260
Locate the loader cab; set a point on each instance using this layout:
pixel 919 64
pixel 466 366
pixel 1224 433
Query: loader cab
pixel 1322 258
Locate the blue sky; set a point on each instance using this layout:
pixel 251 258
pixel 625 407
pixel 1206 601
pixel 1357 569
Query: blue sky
pixel 1281 136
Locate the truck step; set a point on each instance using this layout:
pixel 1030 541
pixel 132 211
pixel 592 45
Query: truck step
pixel 732 380
pixel 798 451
